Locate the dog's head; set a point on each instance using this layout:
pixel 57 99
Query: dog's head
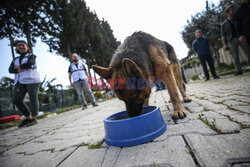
pixel 124 82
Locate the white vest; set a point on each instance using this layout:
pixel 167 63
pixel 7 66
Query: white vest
pixel 28 76
pixel 77 72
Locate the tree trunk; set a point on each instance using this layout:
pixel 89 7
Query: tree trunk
pixel 10 37
pixel 12 46
pixel 95 78
pixel 88 68
pixel 68 51
pixel 11 96
pixel 28 35
pixel 63 102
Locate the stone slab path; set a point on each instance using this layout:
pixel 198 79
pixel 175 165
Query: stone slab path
pixel 216 132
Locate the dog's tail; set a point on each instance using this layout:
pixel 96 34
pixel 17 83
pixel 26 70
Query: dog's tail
pixel 170 52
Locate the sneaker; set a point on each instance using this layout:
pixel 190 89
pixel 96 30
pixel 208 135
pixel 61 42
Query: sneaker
pixel 207 79
pixel 84 107
pixel 95 104
pixel 31 122
pixel 24 123
pixel 238 73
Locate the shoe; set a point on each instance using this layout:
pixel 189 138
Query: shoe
pixel 24 123
pixel 31 122
pixel 238 73
pixel 84 107
pixel 207 79
pixel 95 104
pixel 216 77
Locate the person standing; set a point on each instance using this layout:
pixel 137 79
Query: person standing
pixel 242 17
pixel 201 47
pixel 78 72
pixel 233 36
pixel 27 79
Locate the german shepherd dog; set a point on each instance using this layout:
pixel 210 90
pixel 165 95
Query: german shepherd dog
pixel 143 56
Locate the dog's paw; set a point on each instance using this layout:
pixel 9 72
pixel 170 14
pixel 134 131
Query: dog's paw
pixel 179 114
pixel 187 100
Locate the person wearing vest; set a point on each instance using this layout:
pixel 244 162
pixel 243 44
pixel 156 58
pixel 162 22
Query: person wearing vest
pixel 232 39
pixel 79 75
pixel 27 80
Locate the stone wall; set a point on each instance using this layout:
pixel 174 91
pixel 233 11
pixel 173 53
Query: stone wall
pixel 226 58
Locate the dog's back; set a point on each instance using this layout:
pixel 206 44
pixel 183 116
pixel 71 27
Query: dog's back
pixel 135 47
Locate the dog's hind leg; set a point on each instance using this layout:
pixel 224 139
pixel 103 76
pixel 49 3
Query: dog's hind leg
pixel 179 81
pixel 168 78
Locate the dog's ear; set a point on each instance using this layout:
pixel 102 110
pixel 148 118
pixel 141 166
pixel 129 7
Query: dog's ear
pixel 131 69
pixel 105 73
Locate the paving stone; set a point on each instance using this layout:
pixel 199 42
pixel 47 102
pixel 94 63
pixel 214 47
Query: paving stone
pixel 40 159
pixel 54 138
pixel 111 156
pixel 193 126
pixel 215 150
pixel 247 164
pixel 232 97
pixel 224 125
pixel 234 103
pixel 171 152
pixel 190 104
pixel 242 118
pixel 212 114
pixel 196 109
pixel 85 157
pixel 243 108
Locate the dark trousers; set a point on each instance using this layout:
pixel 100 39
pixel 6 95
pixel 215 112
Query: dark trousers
pixel 234 51
pixel 20 91
pixel 183 75
pixel 210 62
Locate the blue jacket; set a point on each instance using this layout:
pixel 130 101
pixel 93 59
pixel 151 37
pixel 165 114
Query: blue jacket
pixel 201 46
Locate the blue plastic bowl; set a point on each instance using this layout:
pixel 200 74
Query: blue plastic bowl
pixel 122 131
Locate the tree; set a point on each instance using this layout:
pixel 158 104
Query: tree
pixel 23 18
pixel 7 83
pixel 208 21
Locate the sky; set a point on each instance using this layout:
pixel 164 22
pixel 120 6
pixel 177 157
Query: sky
pixel 164 19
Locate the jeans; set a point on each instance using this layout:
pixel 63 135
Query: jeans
pixel 20 91
pixel 234 51
pixel 83 85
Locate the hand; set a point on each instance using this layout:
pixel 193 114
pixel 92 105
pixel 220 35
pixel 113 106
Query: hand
pixel 17 67
pixel 242 38
pixel 72 85
pixel 20 70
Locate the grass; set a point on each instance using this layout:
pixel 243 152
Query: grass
pixel 243 126
pixel 205 109
pixel 65 109
pixel 96 146
pixel 188 110
pixel 194 77
pixel 226 69
pixel 212 125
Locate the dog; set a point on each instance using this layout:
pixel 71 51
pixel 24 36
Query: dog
pixel 143 57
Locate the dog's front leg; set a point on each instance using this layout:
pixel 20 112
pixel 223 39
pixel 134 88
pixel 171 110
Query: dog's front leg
pixel 168 78
pixel 146 102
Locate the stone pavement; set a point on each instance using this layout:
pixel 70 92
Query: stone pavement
pixel 216 132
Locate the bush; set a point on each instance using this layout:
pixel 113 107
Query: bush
pixel 194 77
